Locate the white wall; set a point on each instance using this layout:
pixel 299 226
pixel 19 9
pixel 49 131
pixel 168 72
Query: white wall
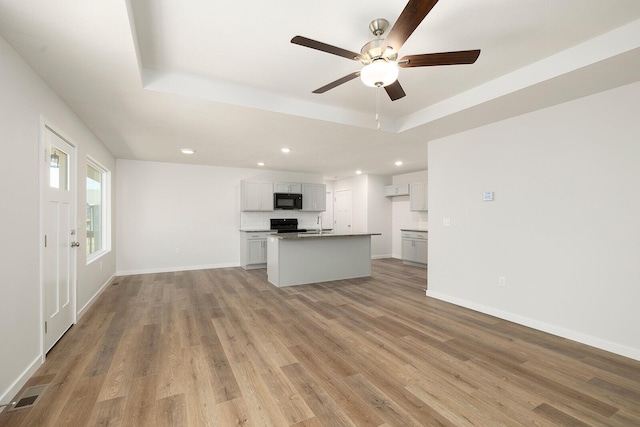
pixel 358 187
pixel 371 210
pixel 327 216
pixel 379 215
pixel 402 216
pixel 181 217
pixel 25 104
pixel 564 229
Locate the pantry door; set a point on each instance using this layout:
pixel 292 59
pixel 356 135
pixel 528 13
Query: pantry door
pixel 342 211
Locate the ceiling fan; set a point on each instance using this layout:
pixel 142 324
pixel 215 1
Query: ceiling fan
pixel 380 56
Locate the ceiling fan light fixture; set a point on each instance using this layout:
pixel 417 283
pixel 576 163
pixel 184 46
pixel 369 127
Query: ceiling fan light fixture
pixel 379 73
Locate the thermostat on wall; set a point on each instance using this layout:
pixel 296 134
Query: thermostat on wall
pixel 487 196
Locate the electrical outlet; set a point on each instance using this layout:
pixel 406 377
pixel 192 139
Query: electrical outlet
pixel 502 281
pixel 446 222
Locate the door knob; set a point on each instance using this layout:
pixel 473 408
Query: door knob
pixel 75 244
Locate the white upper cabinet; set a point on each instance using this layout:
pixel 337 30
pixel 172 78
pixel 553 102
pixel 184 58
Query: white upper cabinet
pixel 256 196
pixel 314 197
pixel 396 190
pixel 418 196
pixel 287 187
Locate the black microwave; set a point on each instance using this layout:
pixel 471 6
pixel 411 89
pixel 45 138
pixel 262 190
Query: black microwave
pixel 287 201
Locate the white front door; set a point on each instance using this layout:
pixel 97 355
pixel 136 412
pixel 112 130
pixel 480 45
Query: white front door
pixel 342 211
pixel 60 237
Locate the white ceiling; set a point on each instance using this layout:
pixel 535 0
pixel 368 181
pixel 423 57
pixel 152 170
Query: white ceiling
pixel 152 76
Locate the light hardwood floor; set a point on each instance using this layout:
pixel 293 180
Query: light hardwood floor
pixel 226 348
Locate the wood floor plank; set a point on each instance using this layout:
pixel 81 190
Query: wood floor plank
pixel 200 397
pixel 171 411
pixel 108 412
pixel 171 373
pixel 147 359
pixel 355 408
pixel 325 409
pixel 558 417
pixel 224 382
pixel 382 404
pixel 233 413
pixel 120 370
pixel 140 408
pixel 262 410
pixel 225 347
pixel 81 402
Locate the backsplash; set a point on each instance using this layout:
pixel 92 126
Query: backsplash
pixel 261 220
pixel 417 220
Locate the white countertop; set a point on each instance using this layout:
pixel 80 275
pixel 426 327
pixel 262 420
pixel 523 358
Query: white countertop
pixel 420 230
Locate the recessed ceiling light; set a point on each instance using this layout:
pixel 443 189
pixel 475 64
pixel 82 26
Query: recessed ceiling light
pixel 285 150
pixel 260 163
pixel 358 172
pixel 399 163
pixel 187 150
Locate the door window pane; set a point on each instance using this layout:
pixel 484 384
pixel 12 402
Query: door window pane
pixel 59 169
pixel 95 202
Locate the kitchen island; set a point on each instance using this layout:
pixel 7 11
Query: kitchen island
pixel 300 258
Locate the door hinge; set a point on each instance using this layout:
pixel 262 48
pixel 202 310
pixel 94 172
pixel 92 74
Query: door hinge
pixel 45 327
pixel 45 240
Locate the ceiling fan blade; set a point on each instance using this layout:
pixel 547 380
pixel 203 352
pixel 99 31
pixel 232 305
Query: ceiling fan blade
pixel 412 15
pixel 443 58
pixel 395 91
pixel 338 82
pixel 323 47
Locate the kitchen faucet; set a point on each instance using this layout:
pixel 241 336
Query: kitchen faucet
pixel 319 221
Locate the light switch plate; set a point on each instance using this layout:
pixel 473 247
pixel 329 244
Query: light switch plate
pixel 487 196
pixel 446 222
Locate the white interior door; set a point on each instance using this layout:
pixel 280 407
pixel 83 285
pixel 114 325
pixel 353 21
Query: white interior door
pixel 60 238
pixel 342 211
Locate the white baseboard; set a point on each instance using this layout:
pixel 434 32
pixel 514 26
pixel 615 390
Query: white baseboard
pixel 22 379
pixel 600 343
pixel 173 269
pixel 380 256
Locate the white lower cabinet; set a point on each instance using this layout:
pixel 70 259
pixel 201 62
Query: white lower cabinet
pixel 253 249
pixel 414 247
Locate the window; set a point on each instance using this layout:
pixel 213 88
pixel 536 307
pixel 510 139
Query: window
pixel 97 210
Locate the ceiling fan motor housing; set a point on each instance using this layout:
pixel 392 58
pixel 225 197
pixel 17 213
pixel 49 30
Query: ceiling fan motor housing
pixel 373 50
